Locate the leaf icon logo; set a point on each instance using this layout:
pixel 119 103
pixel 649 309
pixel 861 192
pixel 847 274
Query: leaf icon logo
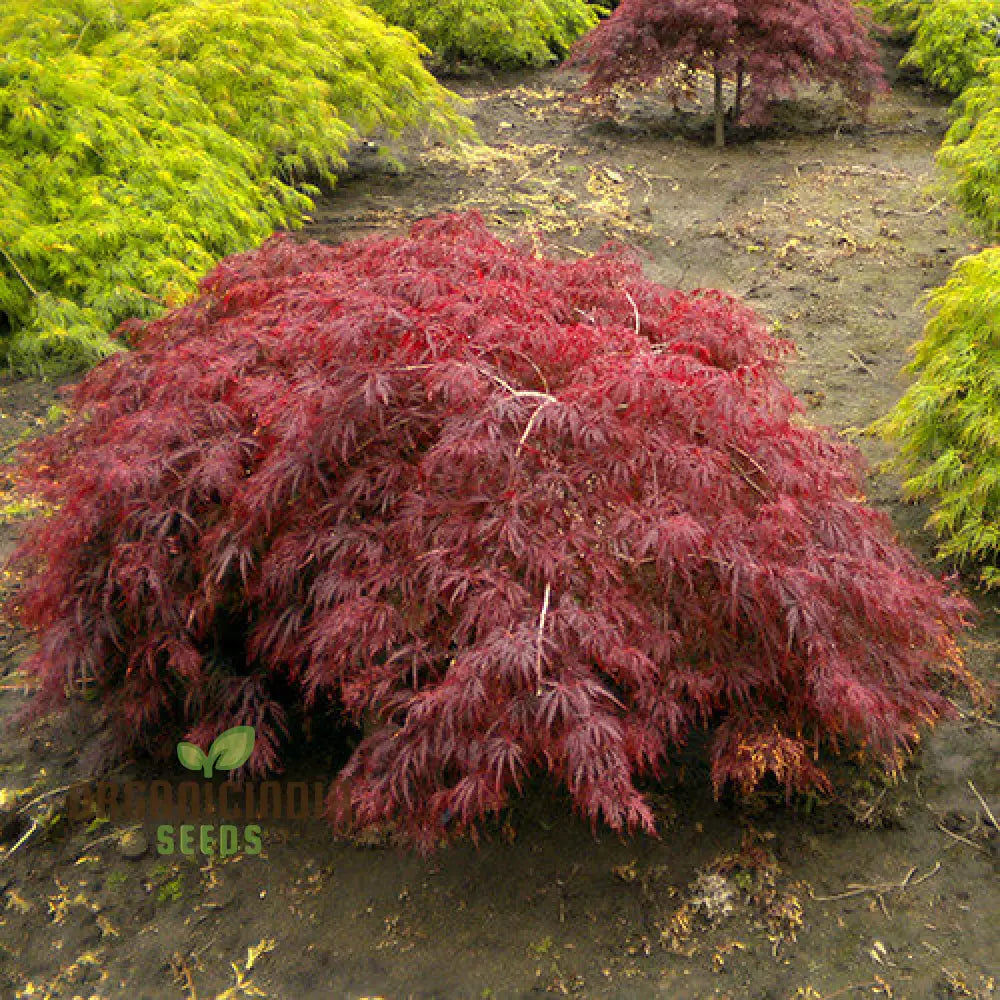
pixel 229 750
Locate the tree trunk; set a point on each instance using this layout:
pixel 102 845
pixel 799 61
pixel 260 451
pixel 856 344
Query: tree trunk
pixel 738 102
pixel 720 113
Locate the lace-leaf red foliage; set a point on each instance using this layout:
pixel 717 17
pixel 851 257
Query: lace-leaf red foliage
pixel 519 514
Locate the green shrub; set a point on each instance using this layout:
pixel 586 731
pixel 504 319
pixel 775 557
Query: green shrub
pixel 953 38
pixel 903 15
pixel 949 420
pixel 142 140
pixel 504 33
pixel 970 153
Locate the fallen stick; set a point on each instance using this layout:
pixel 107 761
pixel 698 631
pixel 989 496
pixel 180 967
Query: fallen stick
pixel 857 357
pixel 115 835
pixel 959 837
pixel 986 808
pixel 855 889
pixel 25 837
pixel 42 798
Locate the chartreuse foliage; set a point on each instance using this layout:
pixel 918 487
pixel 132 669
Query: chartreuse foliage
pixel 504 33
pixel 948 423
pixel 901 14
pixel 970 153
pixel 949 420
pixel 953 38
pixel 142 140
pixel 522 515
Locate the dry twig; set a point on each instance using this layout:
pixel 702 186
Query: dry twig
pixel 24 838
pixel 986 808
pixel 116 835
pixel 857 357
pixel 182 972
pixel 42 798
pixel 959 837
pixel 856 889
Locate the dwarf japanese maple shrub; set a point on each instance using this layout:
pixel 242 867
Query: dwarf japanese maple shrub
pixel 521 515
pixel 504 33
pixel 953 39
pixel 769 44
pixel 969 151
pixel 948 423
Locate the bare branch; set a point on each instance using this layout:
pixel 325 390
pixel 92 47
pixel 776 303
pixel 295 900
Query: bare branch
pixel 541 629
pixel 635 309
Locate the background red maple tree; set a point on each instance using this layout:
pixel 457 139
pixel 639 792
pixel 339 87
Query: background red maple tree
pixel 770 44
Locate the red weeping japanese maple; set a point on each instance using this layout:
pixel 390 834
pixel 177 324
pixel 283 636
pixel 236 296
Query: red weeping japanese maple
pixel 519 514
pixel 770 44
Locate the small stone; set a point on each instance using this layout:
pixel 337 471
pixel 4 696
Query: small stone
pixel 133 844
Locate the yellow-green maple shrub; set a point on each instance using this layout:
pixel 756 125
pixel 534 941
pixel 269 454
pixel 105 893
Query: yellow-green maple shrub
pixel 970 153
pixel 948 422
pixel 903 15
pixel 953 38
pixel 142 140
pixel 504 33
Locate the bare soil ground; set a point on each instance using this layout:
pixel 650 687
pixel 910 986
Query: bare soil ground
pixel 831 230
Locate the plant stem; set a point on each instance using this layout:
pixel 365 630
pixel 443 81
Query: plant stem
pixel 27 284
pixel 720 120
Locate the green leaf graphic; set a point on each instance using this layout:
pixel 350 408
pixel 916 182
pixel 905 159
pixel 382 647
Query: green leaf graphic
pixel 232 748
pixel 191 756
